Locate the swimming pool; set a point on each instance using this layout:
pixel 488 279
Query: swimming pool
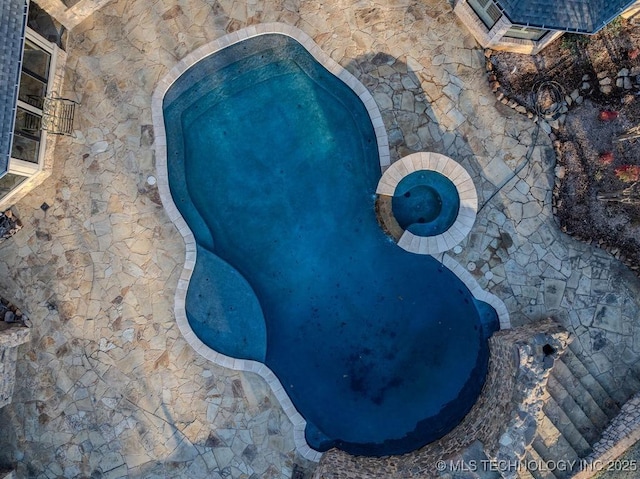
pixel 273 163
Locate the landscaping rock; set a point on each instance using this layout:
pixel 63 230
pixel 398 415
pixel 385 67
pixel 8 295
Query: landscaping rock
pixel 545 126
pixel 9 224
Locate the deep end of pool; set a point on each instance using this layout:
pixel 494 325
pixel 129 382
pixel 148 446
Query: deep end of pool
pixel 431 428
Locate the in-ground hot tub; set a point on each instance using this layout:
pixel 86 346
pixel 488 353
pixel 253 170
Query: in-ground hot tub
pixel 426 203
pixel 273 163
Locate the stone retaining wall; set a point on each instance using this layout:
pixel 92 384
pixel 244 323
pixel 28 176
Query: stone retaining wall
pixel 620 435
pixel 11 336
pixel 9 225
pixel 10 339
pixel 503 418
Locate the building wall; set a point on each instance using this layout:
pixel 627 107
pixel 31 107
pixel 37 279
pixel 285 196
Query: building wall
pixel 71 16
pixel 49 144
pixel 493 38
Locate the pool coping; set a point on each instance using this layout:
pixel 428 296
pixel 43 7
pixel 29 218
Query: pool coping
pixel 160 146
pixel 449 168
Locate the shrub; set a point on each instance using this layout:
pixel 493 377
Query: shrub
pixel 614 27
pixel 628 173
pixel 607 115
pixel 573 42
pixel 606 158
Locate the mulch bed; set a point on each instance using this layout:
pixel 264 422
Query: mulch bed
pixel 587 153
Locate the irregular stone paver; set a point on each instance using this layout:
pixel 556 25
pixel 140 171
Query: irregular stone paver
pixel 107 387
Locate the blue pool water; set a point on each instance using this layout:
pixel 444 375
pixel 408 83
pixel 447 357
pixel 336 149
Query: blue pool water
pixel 426 203
pixel 273 163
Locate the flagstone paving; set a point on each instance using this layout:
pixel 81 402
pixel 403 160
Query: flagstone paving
pixel 107 387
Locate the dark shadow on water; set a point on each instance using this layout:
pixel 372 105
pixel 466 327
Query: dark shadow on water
pixel 410 120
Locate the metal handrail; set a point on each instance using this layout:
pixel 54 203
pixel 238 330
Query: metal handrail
pixel 58 114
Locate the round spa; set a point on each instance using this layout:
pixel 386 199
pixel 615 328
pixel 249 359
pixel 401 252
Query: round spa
pixel 427 202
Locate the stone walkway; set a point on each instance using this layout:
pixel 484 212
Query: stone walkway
pixel 108 388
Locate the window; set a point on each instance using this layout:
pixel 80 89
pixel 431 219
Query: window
pixel 35 60
pixel 9 182
pixel 34 75
pixel 34 80
pixel 26 136
pixel 32 90
pixel 525 33
pixel 488 12
pixel 27 147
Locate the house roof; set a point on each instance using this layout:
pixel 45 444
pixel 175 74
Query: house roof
pixel 583 16
pixel 13 17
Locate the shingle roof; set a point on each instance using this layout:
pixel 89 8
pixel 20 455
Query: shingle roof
pixel 13 15
pixel 584 16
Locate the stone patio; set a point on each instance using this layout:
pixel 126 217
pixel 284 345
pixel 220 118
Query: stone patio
pixel 107 387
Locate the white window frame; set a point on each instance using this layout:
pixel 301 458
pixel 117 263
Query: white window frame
pixel 483 11
pixel 16 165
pixel 525 30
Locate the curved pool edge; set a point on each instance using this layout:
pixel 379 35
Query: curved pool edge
pixel 476 290
pixel 160 145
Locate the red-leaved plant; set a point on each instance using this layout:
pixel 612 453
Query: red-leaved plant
pixel 606 158
pixel 607 115
pixel 628 173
